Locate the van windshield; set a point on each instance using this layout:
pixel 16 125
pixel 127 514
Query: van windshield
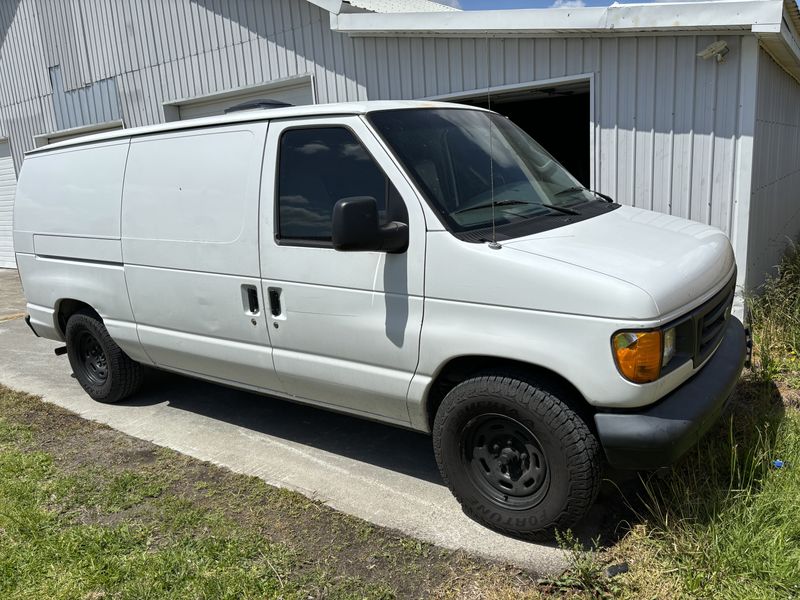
pixel 447 153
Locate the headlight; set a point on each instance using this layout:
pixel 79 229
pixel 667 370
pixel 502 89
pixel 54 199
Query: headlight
pixel 669 346
pixel 638 354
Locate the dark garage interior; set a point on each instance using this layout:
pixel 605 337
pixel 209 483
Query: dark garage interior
pixel 557 117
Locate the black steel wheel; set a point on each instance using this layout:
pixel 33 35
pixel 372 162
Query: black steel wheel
pixel 104 371
pixel 93 365
pixel 505 461
pixel 516 456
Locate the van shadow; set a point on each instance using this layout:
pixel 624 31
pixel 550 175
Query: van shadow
pixel 404 451
pixel 399 450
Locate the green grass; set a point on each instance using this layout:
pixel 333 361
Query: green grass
pixel 88 513
pixel 46 554
pixel 725 522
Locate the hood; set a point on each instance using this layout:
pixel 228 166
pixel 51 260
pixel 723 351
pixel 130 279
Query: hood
pixel 676 261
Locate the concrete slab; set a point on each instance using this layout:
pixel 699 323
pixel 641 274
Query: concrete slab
pixel 12 304
pixel 385 475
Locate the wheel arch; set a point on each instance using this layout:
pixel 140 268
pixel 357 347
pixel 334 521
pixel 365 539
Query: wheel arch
pixel 65 308
pixel 461 368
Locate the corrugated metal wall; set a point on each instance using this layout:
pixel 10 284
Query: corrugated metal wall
pixel 665 121
pixel 775 199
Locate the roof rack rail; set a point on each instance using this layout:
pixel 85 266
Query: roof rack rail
pixel 256 105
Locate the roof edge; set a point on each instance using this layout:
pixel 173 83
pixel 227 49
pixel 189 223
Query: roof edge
pixel 245 116
pixel 678 16
pixel 332 6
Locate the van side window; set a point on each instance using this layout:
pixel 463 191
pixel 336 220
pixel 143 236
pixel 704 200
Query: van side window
pixel 317 167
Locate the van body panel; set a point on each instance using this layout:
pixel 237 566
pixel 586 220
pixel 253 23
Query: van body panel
pixel 72 192
pixel 564 344
pixel 126 335
pixel 475 273
pixel 48 281
pixel 79 248
pixel 227 360
pixel 201 323
pixel 191 200
pixel 41 319
pixel 348 328
pixel 675 260
pixel 190 244
pixel 66 234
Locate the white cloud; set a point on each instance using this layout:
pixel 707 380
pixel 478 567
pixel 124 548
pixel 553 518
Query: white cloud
pixel 568 4
pixel 453 3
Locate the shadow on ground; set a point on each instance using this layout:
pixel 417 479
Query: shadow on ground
pixel 619 504
pixel 399 450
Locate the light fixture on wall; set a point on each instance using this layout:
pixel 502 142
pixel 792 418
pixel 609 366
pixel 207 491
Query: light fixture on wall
pixel 717 50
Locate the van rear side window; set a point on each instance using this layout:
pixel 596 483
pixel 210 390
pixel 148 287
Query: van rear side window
pixel 317 167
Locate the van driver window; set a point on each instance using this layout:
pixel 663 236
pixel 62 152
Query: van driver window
pixel 317 167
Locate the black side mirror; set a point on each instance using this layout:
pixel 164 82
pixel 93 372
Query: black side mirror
pixel 356 228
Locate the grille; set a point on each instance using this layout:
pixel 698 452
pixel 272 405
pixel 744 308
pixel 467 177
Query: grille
pixel 710 320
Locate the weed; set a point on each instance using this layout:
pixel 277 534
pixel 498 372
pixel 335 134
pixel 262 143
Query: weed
pixel 775 318
pixel 586 572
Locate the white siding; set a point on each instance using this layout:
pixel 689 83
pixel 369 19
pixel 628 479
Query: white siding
pixel 8 185
pixel 775 200
pixel 666 124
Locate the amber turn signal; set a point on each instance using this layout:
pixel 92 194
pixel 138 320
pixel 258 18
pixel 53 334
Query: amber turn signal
pixel 638 355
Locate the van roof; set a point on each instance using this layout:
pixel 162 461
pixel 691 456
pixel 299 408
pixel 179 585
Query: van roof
pixel 246 116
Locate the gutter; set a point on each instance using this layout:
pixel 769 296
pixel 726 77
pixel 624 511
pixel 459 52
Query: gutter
pixel 741 15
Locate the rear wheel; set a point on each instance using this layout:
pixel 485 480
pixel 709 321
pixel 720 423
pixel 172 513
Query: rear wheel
pixel 104 371
pixel 516 457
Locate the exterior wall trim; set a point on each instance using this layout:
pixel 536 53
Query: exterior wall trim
pixel 44 139
pixel 743 183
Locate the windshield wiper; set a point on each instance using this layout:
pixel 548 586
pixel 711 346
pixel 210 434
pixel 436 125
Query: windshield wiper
pixel 509 202
pixel 577 188
pixel 563 209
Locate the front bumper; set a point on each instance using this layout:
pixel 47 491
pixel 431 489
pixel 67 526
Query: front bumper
pixel 658 435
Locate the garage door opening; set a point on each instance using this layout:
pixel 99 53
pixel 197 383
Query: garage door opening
pixel 557 117
pixel 295 90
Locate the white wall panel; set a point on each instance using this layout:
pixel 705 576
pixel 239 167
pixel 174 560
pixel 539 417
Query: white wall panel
pixel 775 199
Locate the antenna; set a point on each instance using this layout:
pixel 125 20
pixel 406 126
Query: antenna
pixel 493 244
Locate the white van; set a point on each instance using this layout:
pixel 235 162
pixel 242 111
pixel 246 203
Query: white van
pixel 423 264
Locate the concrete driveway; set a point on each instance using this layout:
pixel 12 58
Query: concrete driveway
pixel 385 475
pixel 12 304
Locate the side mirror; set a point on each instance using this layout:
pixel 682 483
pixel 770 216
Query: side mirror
pixel 356 228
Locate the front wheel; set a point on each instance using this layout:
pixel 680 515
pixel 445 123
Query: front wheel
pixel 516 457
pixel 104 371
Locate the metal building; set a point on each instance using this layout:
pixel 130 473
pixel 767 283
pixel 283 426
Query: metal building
pixel 691 109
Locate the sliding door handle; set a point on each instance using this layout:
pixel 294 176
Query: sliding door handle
pixel 274 301
pixel 250 298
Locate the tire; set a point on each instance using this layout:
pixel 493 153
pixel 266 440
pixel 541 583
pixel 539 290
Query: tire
pixel 104 371
pixel 515 456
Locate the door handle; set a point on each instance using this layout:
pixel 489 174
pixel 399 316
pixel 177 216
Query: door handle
pixel 274 301
pixel 251 299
